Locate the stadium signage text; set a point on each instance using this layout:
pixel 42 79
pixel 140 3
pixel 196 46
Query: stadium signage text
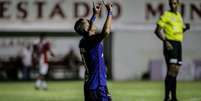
pixel 36 9
pixel 192 10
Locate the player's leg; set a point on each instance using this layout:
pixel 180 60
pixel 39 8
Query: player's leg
pixel 40 82
pixel 171 61
pixel 173 73
pixel 38 78
pixel 174 82
pixel 90 95
pixel 168 77
pixel 44 85
pixel 103 94
pixel 173 68
pixel 44 71
pixel 170 81
pixel 176 71
pixel 168 84
pixel 24 72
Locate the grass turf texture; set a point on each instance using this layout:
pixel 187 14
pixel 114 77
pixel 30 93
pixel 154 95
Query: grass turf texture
pixel 73 91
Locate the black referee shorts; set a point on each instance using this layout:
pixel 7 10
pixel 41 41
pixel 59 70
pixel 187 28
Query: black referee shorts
pixel 173 56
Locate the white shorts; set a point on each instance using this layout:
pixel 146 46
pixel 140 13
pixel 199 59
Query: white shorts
pixel 43 69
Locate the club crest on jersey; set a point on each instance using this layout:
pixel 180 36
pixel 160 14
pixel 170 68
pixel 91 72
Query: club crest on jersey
pixel 173 19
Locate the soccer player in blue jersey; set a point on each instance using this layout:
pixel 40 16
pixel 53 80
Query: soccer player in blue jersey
pixel 91 49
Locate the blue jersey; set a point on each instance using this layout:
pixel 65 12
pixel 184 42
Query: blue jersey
pixel 92 56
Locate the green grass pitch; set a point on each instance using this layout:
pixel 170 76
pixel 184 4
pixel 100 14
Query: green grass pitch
pixel 73 91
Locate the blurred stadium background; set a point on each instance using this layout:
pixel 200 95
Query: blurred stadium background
pixel 133 54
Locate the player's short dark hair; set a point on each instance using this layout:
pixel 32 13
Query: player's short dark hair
pixel 78 27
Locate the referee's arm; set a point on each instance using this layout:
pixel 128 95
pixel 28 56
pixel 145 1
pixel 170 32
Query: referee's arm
pixel 158 32
pixel 161 36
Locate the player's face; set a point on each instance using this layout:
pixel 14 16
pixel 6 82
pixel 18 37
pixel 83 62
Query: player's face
pixel 173 4
pixel 87 25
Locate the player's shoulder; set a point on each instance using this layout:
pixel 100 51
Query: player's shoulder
pixel 166 13
pixel 87 42
pixel 178 13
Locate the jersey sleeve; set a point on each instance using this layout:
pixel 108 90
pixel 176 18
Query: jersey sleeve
pixel 162 20
pixel 183 24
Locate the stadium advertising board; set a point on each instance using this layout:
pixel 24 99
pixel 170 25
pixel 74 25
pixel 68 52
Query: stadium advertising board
pixel 59 15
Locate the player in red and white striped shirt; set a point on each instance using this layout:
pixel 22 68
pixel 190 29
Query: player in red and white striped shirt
pixel 44 49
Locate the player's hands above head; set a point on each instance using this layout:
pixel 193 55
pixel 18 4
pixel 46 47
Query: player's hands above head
pixel 108 6
pixel 97 8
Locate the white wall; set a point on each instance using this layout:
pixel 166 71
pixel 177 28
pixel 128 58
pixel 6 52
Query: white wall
pixel 132 52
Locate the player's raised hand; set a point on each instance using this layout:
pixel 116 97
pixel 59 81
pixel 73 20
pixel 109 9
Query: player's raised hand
pixel 97 8
pixel 108 6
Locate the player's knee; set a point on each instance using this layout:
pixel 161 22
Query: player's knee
pixel 176 70
pixel 173 70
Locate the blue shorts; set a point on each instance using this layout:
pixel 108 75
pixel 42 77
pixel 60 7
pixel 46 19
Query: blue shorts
pixel 99 94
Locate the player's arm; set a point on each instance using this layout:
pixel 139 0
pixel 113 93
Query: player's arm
pixel 106 27
pixel 108 22
pixel 158 32
pixel 161 36
pixel 49 46
pixel 96 12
